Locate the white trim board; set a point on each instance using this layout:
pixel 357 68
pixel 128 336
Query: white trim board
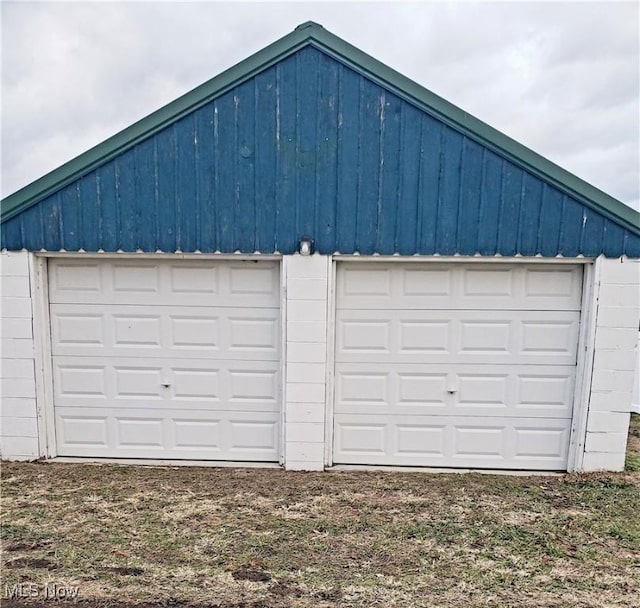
pixel 584 367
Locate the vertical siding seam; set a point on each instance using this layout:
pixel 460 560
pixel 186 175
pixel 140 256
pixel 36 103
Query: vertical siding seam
pixel 216 202
pixel 137 237
pixel 503 164
pixel 543 196
pixel 99 210
pixel 420 202
pixel 400 173
pixel 273 164
pixel 196 171
pixel 141 224
pixel 562 226
pixel 236 177
pixel 501 211
pixel 42 229
pixel 482 201
pixel 22 229
pixel 396 198
pixel 602 234
pixel 318 156
pixel 80 227
pixel 278 160
pixel 338 156
pixel 176 195
pixel 381 135
pixel 116 187
pixel 585 220
pixel 463 147
pixel 521 204
pixel 60 222
pixel 441 156
pixel 297 155
pixel 156 193
pixel 255 164
pixel 358 169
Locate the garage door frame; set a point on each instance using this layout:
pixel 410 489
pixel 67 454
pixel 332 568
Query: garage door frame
pixel 586 337
pixel 39 279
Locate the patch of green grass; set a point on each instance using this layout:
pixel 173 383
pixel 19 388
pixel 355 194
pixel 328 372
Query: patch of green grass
pixel 632 463
pixel 628 535
pixel 15 532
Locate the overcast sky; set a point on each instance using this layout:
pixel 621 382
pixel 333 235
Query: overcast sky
pixel 561 78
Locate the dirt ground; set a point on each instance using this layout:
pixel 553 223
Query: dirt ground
pixel 196 537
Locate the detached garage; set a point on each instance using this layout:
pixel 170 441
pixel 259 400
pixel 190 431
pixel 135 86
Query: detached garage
pixel 312 261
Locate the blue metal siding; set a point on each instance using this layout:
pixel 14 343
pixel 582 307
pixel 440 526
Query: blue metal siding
pixel 310 147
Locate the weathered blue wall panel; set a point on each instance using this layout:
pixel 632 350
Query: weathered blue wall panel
pixel 430 162
pixel 265 164
pixel 449 192
pixel 469 203
pixel 408 175
pixel 348 143
pixel 529 215
pixel 326 137
pixel 549 226
pixel 311 147
pixel 106 200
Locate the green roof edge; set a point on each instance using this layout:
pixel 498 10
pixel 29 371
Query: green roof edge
pixel 314 34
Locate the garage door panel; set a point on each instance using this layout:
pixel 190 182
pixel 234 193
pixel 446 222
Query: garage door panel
pixel 75 280
pixel 137 330
pixel 515 337
pixel 446 441
pixel 547 442
pixel 170 434
pixel 245 284
pixel 80 380
pixel 132 383
pixel 157 359
pixel 455 365
pixel 558 336
pixel 462 390
pixel 557 283
pixel 457 286
pixel 194 332
pixel 77 328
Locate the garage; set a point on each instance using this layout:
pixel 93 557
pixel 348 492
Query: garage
pixel 166 359
pixel 455 365
pixel 312 261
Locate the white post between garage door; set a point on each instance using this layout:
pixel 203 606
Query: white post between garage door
pixel 306 309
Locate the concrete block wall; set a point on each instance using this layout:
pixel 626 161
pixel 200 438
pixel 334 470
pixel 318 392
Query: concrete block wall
pixel 614 363
pixel 306 286
pixel 18 414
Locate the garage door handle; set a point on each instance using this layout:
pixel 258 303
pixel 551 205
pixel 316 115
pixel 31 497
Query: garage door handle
pixel 452 390
pixel 166 384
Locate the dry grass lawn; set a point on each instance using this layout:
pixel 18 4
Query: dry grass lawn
pixel 252 538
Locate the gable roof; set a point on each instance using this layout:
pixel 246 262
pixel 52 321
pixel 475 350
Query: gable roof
pixel 315 35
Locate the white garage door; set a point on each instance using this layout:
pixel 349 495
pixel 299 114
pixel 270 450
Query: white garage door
pixel 455 365
pixel 157 359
